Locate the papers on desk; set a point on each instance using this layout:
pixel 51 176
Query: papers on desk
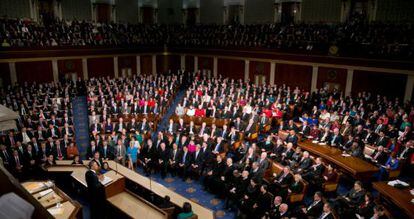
pixel 55 211
pixel 315 141
pixel 106 180
pixel 34 187
pixel 322 143
pixel 43 193
pixel 346 155
pixel 395 182
pixel 412 191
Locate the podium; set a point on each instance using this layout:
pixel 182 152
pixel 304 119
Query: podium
pixel 117 195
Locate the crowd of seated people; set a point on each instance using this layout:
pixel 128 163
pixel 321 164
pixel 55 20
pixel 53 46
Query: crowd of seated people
pixel 234 160
pixel 373 40
pixel 45 125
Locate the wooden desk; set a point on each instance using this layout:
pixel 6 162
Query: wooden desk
pixel 161 190
pixel 136 207
pixel 358 168
pixel 400 197
pixel 115 192
pixel 69 207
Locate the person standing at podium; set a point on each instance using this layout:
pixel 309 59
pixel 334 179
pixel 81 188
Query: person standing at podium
pixel 96 190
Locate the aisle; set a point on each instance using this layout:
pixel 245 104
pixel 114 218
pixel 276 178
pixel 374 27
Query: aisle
pixel 171 110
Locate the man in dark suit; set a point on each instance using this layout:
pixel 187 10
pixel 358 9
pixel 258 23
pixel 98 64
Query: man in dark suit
pixel 5 155
pixel 184 163
pixel 96 190
pixel 197 161
pixel 379 156
pixel 314 209
pixel 52 132
pixel 327 212
pixel 17 163
pixel 335 139
pixel 90 151
pixel 59 151
pixel 292 138
pixel 173 160
pixel 163 155
pixel 381 140
pixel 106 151
pixel 304 163
pixel 282 180
pixel 305 129
pixel 314 171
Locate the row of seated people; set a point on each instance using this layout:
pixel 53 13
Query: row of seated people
pixel 224 98
pixel 117 104
pixel 325 117
pixel 375 39
pixel 125 96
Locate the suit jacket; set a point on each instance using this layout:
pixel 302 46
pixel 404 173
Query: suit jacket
pixel 305 163
pixel 293 139
pixel 381 158
pixel 95 189
pixel 199 159
pixel 185 159
pixel 305 130
pixel 106 153
pixel 284 181
pixel 315 210
pixel 335 140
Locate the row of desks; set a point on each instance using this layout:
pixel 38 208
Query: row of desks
pixel 357 167
pixel 68 208
pixel 126 201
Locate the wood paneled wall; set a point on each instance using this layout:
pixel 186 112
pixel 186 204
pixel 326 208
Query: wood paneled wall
pixel 230 68
pixel 189 63
pixel 294 75
pixel 205 63
pixel 146 65
pixel 34 71
pixel 100 67
pixel 392 85
pixel 5 74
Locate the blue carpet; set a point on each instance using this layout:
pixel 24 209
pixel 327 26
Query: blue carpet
pixel 193 190
pixel 171 110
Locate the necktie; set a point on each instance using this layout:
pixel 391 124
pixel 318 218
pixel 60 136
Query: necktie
pixel 185 154
pixel 6 155
pixel 59 152
pixel 17 161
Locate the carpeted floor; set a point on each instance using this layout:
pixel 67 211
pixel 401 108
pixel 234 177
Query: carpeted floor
pixel 193 190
